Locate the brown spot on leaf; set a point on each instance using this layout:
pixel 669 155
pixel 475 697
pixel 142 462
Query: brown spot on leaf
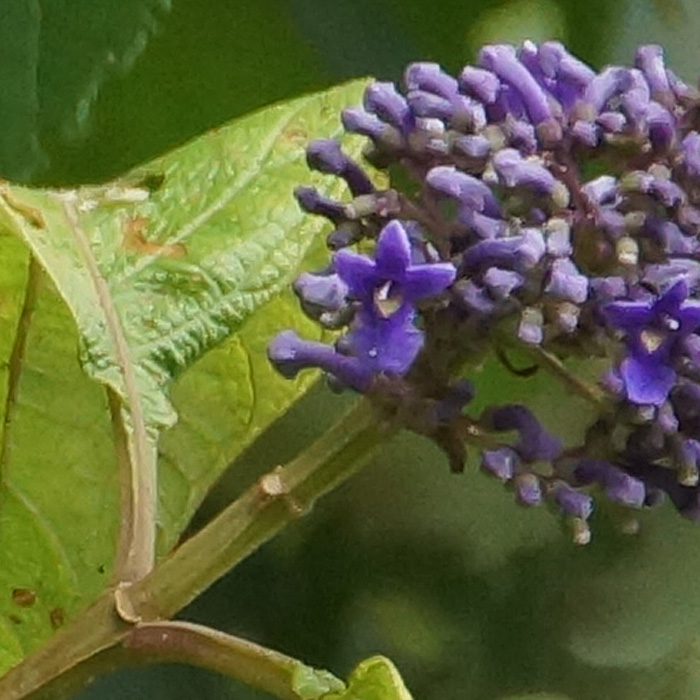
pixel 23 597
pixel 135 241
pixel 15 619
pixel 30 214
pixel 57 617
pixel 295 135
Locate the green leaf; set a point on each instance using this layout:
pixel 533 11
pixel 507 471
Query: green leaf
pixel 57 464
pixel 224 402
pixel 375 678
pixel 186 247
pixel 312 683
pixel 52 69
pixel 181 263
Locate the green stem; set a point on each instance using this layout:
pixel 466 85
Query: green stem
pixel 260 513
pixel 556 368
pixel 275 500
pixel 552 364
pixel 184 642
pixel 67 653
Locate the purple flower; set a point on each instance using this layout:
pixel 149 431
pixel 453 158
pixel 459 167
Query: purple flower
pixel 514 171
pixel 691 153
pixel 490 173
pixel 502 282
pixel 357 121
pixel 530 328
pixel 654 332
pixel 606 85
pixel 389 105
pixel 572 502
pixel 430 77
pixel 290 354
pixel 528 489
pixel 373 346
pixel 502 60
pixel 481 84
pixel 327 292
pixel 535 442
pixel 470 192
pixel 387 345
pixel 390 284
pixel 566 282
pixel 619 486
pixel 518 252
pixel 382 337
pixel 501 462
pixel 650 60
pixel 326 156
pixel 311 201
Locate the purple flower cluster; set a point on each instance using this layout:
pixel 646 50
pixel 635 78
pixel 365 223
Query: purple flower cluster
pixel 542 205
pixel 382 338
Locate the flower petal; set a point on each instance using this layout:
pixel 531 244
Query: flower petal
pixel 423 281
pixel 628 315
pixel 689 316
pixel 290 354
pixel 357 271
pixel 670 301
pixel 647 382
pixel 393 254
pixel 386 344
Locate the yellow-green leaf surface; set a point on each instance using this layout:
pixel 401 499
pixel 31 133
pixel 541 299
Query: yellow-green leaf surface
pixel 187 258
pixel 313 683
pixel 375 678
pixel 59 494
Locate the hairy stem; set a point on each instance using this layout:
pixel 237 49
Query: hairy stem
pixel 76 652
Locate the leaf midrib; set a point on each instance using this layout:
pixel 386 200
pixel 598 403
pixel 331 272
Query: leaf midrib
pixel 138 530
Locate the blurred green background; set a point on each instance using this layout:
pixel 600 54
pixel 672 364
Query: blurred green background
pixel 472 597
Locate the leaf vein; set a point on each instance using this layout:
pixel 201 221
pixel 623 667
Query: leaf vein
pixel 242 181
pixel 143 474
pixel 17 358
pixel 46 527
pixel 251 379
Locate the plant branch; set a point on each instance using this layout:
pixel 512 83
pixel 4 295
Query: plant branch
pixel 184 642
pixel 552 364
pixel 267 507
pixel 556 368
pixel 136 554
pixel 96 629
